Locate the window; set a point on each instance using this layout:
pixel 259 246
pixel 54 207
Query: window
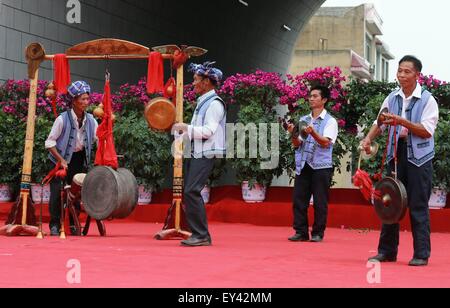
pixel 369 48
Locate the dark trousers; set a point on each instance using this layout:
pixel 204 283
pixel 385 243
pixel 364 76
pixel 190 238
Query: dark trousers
pixel 197 172
pixel 77 165
pixel 418 184
pixel 316 183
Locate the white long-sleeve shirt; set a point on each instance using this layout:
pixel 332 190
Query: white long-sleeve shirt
pixel 430 116
pixel 58 128
pixel 214 115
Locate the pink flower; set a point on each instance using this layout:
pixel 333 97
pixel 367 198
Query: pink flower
pixel 337 107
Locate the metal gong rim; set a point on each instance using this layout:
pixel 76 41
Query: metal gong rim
pixel 392 206
pixel 299 130
pixel 160 114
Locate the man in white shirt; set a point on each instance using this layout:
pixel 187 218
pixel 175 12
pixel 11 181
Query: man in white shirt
pixel 416 114
pixel 70 143
pixel 314 167
pixel 207 133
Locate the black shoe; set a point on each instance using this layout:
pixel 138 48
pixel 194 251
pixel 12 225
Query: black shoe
pixel 195 242
pixel 382 258
pixel 418 262
pixel 298 238
pixel 54 231
pixel 317 239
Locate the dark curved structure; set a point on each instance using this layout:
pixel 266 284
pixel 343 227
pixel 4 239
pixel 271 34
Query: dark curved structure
pixel 241 35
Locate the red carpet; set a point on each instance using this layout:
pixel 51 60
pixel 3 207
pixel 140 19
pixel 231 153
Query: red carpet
pixel 243 256
pixel 250 250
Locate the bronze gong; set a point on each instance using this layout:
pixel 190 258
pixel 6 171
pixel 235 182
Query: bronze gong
pixel 160 114
pixel 390 200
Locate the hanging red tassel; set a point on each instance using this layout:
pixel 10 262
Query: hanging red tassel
pixel 155 75
pixel 61 77
pixel 362 180
pixel 106 152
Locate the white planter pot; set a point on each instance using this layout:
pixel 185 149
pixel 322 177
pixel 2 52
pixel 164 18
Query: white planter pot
pixel 38 195
pixel 255 195
pixel 438 199
pixel 206 193
pixel 5 193
pixel 145 196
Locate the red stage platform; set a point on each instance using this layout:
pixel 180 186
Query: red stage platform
pixel 347 210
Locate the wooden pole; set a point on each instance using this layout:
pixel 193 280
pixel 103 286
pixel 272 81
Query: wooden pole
pixel 29 145
pixel 177 231
pixel 178 165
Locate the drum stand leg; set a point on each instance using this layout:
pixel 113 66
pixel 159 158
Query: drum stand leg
pixel 100 225
pixel 76 220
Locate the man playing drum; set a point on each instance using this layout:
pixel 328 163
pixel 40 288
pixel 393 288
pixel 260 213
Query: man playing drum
pixel 70 143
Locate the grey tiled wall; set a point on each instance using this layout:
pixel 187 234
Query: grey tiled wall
pixel 240 38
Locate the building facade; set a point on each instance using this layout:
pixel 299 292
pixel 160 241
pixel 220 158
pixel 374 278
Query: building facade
pixel 348 37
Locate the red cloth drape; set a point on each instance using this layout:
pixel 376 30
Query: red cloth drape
pixel 61 77
pixel 106 152
pixel 155 75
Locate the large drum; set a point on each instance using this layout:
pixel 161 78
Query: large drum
pixel 160 114
pixel 109 194
pixel 74 193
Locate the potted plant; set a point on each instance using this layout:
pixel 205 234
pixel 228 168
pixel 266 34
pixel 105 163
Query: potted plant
pixel 441 163
pixel 257 96
pixel 41 162
pixel 13 115
pixel 8 156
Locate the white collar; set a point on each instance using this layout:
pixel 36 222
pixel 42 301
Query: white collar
pixel 417 93
pixel 75 118
pixel 201 98
pixel 322 115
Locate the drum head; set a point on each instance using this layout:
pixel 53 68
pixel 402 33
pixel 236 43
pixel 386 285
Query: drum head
pixel 393 201
pixel 79 179
pixel 160 114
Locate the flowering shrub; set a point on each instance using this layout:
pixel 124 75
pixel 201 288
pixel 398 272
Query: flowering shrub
pixel 296 99
pixel 259 87
pixel 257 95
pixel 14 98
pixel 440 89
